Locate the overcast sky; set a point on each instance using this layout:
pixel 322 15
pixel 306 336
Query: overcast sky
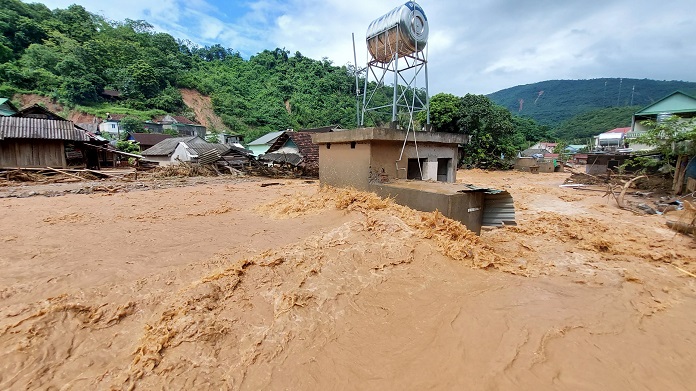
pixel 477 46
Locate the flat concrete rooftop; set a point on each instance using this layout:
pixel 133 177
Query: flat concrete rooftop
pixel 432 187
pixel 385 134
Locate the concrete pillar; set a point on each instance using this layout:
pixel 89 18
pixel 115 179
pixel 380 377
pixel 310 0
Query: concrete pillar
pixel 430 171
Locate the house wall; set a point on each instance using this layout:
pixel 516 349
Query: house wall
pixel 258 149
pixel 342 166
pixel 162 160
pixel 189 130
pixel 32 153
pixel 153 128
pixel 111 127
pixel 181 153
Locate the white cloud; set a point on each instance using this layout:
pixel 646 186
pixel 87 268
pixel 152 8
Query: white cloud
pixel 477 47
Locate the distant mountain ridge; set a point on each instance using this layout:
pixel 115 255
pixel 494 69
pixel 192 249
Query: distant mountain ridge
pixel 554 101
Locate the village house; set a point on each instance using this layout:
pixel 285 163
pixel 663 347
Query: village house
pixel 112 125
pixel 176 123
pixel 297 149
pixel 228 138
pixel 37 137
pixel 677 104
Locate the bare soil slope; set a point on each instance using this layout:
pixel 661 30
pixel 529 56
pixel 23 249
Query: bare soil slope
pixel 237 286
pixel 202 108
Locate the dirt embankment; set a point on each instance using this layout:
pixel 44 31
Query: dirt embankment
pixel 200 104
pixel 203 109
pixel 243 287
pixel 77 117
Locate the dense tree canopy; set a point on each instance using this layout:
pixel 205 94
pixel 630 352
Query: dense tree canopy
pixel 72 56
pixel 495 135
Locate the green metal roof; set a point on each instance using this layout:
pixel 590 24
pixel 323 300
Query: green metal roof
pixel 676 102
pixel 7 108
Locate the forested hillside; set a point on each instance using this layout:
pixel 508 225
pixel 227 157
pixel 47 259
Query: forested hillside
pixel 72 56
pixel 553 101
pixel 583 126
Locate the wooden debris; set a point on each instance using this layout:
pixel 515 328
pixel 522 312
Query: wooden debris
pixel 65 173
pixel 685 271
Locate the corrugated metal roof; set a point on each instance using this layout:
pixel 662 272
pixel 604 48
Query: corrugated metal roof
pixel 676 102
pixel 167 146
pixel 498 207
pixel 200 148
pixel 266 139
pixel 35 128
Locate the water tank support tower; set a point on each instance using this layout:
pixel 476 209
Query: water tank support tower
pixel 396 43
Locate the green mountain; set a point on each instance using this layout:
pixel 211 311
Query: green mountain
pixel 553 101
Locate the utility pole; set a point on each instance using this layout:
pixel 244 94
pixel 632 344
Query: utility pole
pixel 604 98
pixel 619 97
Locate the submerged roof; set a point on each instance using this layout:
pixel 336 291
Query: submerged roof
pixel 676 102
pixel 36 128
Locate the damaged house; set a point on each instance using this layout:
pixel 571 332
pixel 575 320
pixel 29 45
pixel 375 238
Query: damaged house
pixel 297 149
pixel 195 150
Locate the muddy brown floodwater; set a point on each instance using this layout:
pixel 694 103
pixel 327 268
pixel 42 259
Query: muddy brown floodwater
pixel 230 285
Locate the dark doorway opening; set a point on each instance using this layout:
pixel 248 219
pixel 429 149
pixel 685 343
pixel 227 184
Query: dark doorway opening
pixel 443 169
pixel 415 167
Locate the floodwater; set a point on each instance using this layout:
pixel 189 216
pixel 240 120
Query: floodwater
pixel 234 286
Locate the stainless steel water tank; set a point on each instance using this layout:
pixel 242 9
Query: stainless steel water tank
pixel 405 25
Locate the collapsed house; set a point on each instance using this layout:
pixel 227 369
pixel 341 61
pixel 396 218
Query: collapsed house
pixel 196 150
pixel 296 149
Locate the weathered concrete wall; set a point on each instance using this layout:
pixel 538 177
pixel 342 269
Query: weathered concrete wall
pixel 546 166
pixel 386 154
pixel 466 207
pixel 162 160
pixel 383 159
pixel 343 166
pixel 524 164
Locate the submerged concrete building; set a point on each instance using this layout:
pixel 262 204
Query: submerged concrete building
pixel 418 170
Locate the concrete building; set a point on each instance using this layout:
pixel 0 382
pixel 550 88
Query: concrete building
pixel 418 171
pixel 357 157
